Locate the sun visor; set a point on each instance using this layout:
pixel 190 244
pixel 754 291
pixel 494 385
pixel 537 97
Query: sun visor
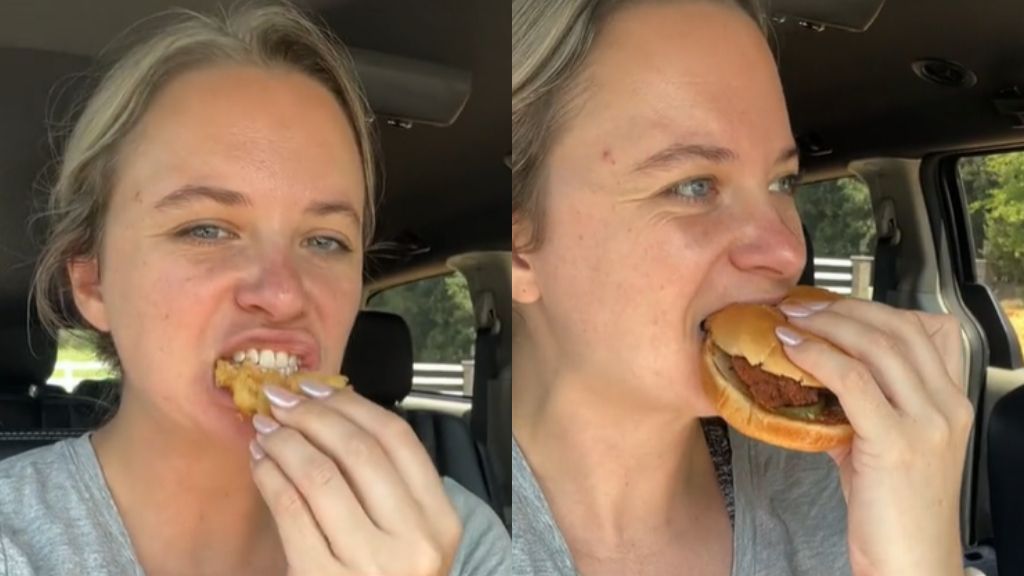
pixel 849 15
pixel 408 91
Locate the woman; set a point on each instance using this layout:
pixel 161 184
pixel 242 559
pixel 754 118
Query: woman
pixel 215 196
pixel 653 172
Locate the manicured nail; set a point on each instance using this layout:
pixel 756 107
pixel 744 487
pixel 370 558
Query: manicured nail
pixel 315 389
pixel 795 310
pixel 256 451
pixel 280 397
pixel 816 305
pixel 264 424
pixel 787 336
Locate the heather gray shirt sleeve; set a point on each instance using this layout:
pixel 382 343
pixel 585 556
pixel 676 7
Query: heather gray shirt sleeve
pixel 57 518
pixel 790 516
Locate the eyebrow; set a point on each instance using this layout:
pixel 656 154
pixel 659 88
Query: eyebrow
pixel 189 194
pixel 679 152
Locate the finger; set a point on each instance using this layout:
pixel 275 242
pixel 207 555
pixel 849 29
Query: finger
pixel 882 354
pixel 839 456
pixel 328 499
pixel 869 412
pixel 934 341
pixel 403 448
pixel 368 471
pixel 304 544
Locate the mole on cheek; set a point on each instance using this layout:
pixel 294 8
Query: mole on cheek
pixel 608 157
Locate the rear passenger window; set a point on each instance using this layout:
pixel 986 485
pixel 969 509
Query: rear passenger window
pixel 994 188
pixel 838 216
pixel 76 361
pixel 439 313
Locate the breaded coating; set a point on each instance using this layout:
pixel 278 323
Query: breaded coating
pixel 245 382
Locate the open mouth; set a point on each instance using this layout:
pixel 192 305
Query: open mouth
pixel 247 372
pixel 267 360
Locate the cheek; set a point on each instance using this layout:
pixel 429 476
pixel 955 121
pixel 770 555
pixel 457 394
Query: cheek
pixel 163 303
pixel 335 299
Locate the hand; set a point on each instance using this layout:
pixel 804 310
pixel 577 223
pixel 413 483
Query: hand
pixel 351 488
pixel 899 377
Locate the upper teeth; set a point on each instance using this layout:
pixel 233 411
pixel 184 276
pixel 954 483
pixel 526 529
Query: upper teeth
pixel 269 359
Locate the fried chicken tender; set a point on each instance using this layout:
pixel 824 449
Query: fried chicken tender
pixel 245 382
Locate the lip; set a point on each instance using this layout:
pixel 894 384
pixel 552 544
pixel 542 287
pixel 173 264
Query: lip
pixel 298 343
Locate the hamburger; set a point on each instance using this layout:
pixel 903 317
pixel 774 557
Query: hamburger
pixel 757 390
pixel 245 380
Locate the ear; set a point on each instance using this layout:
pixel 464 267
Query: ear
pixel 524 281
pixel 87 292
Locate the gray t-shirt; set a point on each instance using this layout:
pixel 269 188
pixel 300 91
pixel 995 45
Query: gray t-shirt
pixel 57 517
pixel 789 516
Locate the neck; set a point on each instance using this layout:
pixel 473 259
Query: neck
pixel 610 466
pixel 183 496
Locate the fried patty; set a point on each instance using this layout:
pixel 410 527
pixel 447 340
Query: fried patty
pixel 245 381
pixel 772 391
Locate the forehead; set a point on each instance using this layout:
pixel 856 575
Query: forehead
pixel 681 69
pixel 243 128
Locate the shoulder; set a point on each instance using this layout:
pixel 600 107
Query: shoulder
pixel 485 543
pixel 33 486
pixel 27 474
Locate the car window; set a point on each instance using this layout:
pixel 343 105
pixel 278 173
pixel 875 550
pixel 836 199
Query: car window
pixel 994 188
pixel 837 214
pixel 439 313
pixel 76 361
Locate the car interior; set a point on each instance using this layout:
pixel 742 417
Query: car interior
pixel 434 76
pixel 893 92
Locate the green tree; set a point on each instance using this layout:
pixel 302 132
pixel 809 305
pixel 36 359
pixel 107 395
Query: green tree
pixel 439 313
pixel 978 181
pixel 1001 207
pixel 838 216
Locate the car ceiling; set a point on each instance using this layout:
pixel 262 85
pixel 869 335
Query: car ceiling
pixel 856 93
pixel 446 190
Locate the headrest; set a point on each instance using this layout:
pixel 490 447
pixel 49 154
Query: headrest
pixel 378 359
pixel 25 361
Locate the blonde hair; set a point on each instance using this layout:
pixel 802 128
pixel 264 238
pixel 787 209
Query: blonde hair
pixel 550 43
pixel 267 35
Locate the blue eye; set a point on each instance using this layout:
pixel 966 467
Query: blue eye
pixel 327 244
pixel 696 190
pixel 204 233
pixel 786 185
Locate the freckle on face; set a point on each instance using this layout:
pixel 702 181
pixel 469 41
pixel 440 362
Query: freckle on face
pixel 608 157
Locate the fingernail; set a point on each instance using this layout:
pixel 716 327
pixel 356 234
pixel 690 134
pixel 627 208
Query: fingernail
pixel 256 451
pixel 787 336
pixel 280 397
pixel 816 305
pixel 795 310
pixel 315 389
pixel 264 424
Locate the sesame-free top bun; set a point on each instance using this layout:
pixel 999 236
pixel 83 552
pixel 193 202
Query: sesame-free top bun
pixel 748 331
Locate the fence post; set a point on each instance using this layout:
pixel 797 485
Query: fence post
pixel 861 284
pixel 468 374
pixel 981 270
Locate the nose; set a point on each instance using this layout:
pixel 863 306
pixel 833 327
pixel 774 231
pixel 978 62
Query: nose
pixel 274 289
pixel 770 242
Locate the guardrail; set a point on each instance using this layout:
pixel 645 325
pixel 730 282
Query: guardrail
pixel 448 379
